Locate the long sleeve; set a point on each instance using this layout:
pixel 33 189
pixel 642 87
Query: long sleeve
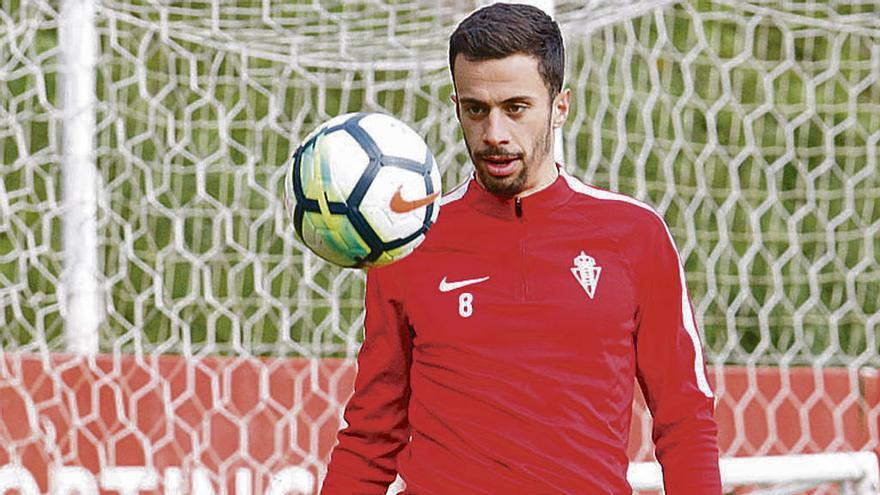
pixel 364 459
pixel 672 373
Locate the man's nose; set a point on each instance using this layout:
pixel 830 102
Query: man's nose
pixel 495 131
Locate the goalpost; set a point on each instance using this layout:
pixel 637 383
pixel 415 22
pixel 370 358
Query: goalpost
pixel 163 329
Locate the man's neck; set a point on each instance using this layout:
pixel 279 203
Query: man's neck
pixel 545 182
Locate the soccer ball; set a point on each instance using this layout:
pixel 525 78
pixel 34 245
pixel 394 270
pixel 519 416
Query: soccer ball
pixel 362 190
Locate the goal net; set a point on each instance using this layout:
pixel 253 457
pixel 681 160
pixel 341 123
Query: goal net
pixel 163 330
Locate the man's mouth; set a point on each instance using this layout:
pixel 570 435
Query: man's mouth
pixel 500 165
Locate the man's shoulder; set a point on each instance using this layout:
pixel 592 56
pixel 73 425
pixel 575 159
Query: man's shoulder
pixel 440 234
pixel 452 199
pixel 456 210
pixel 612 207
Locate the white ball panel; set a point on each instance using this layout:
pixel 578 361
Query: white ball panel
pixel 347 162
pixel 375 206
pixel 437 182
pixel 394 137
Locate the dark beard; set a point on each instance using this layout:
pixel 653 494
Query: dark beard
pixel 508 187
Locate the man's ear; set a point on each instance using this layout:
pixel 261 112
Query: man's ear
pixel 561 105
pixel 454 98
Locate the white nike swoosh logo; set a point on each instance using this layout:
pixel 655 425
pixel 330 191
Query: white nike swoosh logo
pixel 449 286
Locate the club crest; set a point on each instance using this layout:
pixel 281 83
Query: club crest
pixel 587 273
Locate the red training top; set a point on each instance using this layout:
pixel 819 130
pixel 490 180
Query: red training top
pixel 499 357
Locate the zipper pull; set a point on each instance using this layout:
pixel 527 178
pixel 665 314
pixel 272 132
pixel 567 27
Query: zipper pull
pixel 517 206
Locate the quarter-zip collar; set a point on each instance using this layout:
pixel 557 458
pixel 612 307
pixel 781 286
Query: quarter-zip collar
pixel 543 201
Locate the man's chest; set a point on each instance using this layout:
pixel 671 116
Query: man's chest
pixel 522 285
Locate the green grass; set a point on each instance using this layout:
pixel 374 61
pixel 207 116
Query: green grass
pixel 199 257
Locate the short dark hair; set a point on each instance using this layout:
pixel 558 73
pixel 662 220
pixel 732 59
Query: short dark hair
pixel 503 29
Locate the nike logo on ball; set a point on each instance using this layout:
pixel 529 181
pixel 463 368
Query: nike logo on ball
pixel 449 286
pixel 400 205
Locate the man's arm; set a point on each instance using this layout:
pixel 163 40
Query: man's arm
pixel 364 460
pixel 672 372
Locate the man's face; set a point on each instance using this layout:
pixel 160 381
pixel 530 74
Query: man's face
pixel 508 119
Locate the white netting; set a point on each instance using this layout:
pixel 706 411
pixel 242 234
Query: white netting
pixel 754 127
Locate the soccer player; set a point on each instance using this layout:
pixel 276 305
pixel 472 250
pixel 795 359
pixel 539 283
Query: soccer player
pixel 501 357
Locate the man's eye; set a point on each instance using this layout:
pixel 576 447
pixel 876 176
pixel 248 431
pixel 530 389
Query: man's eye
pixel 474 110
pixel 516 108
